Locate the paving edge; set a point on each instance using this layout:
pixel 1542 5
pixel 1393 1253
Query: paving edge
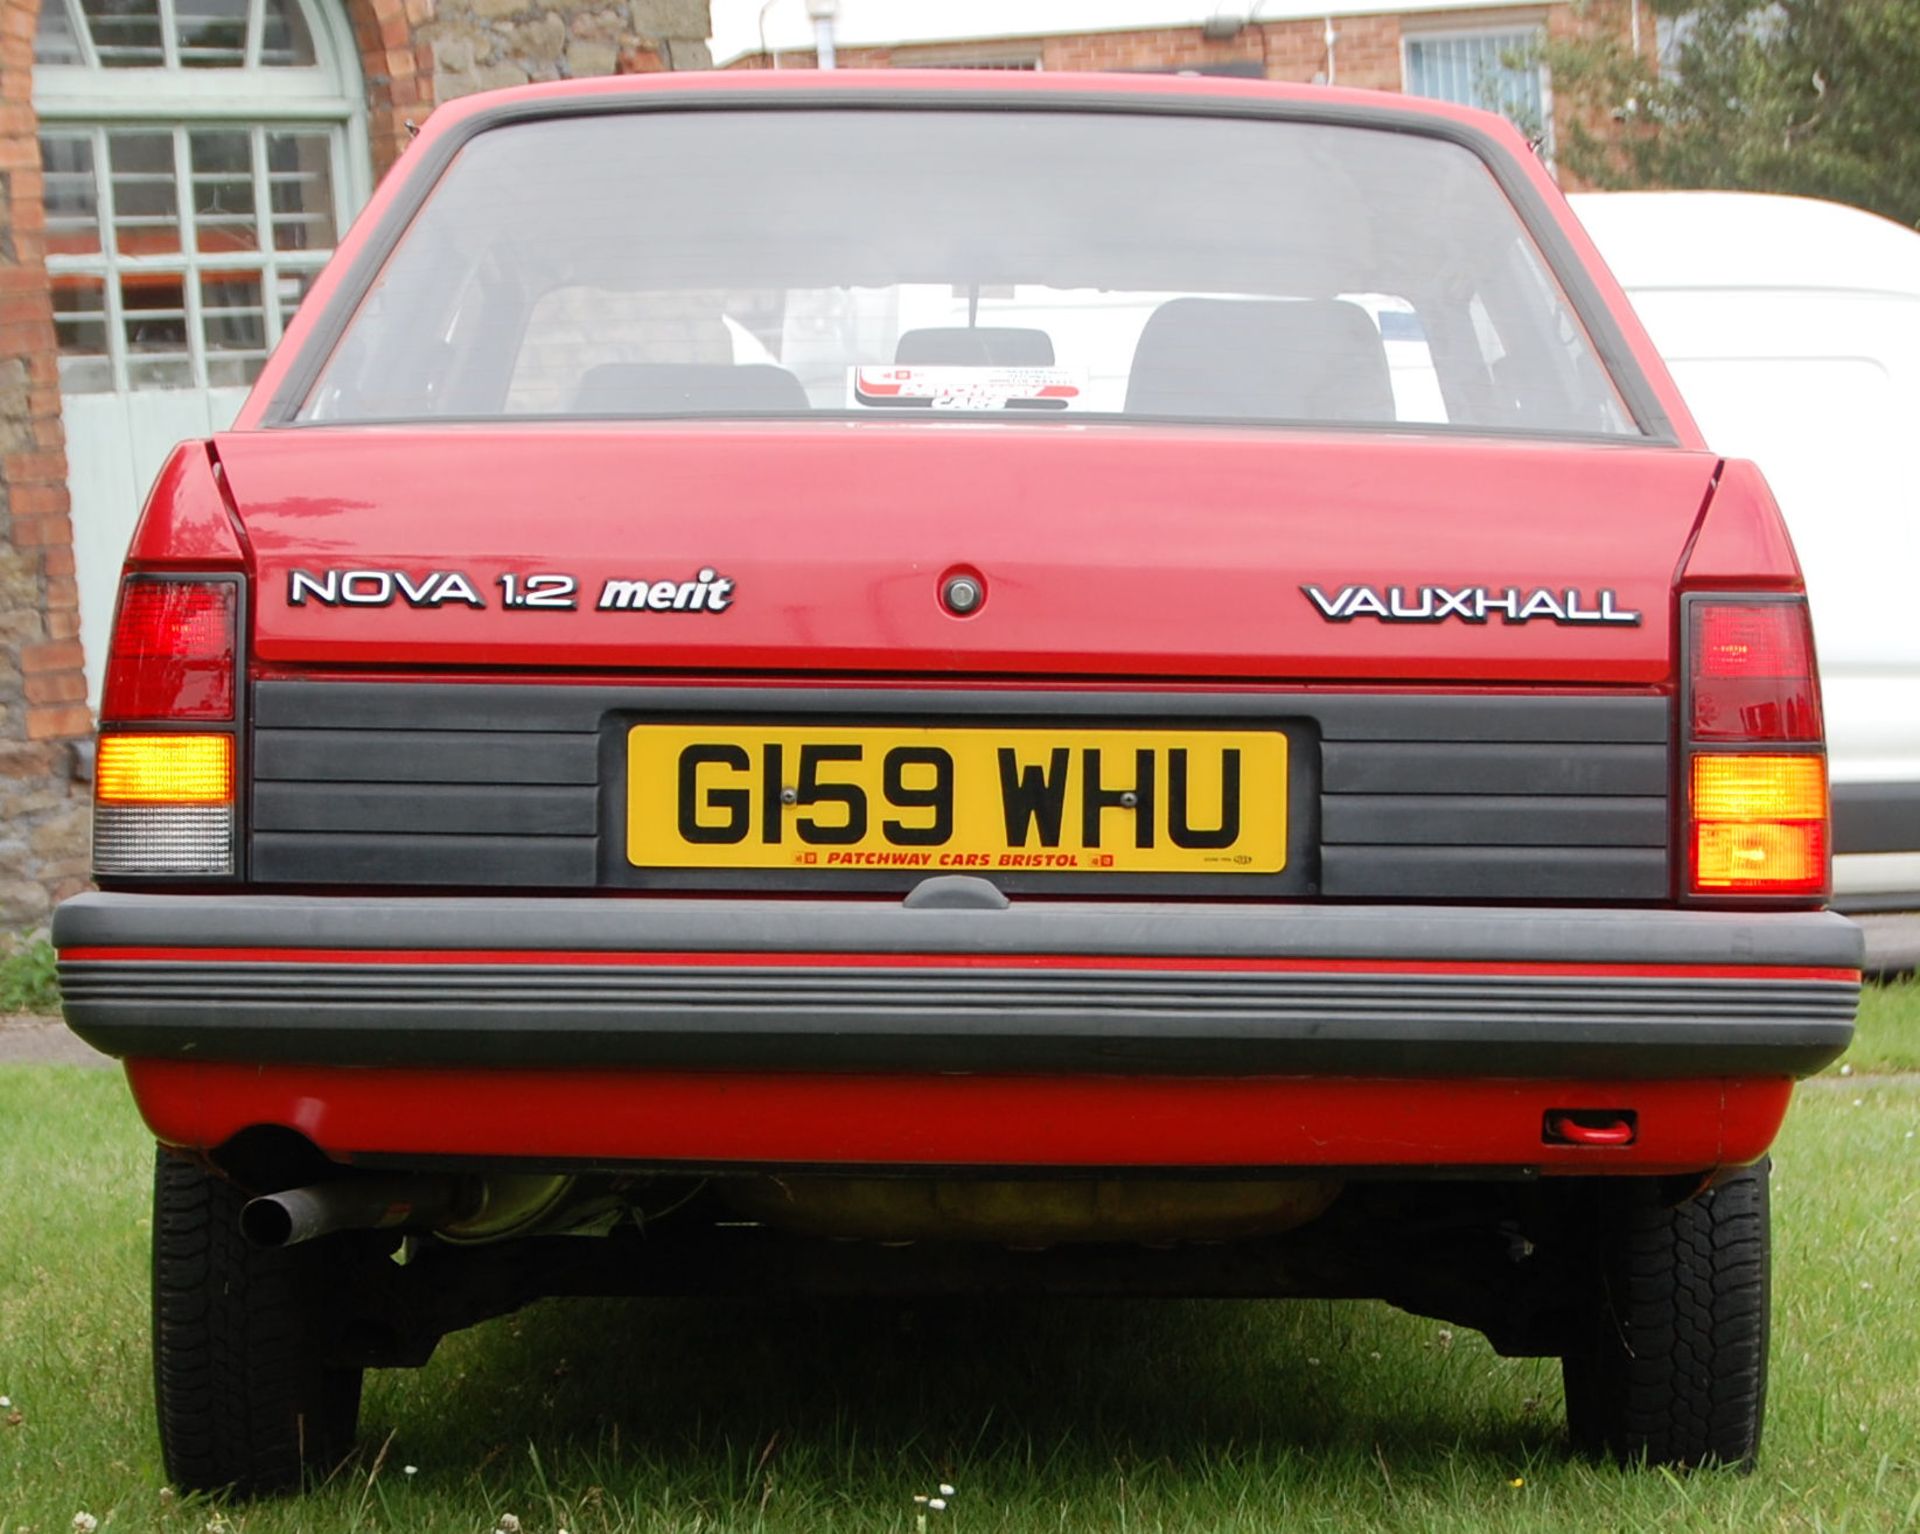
pixel 31 1039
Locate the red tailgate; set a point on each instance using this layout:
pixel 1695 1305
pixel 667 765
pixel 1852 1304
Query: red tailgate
pixel 1127 552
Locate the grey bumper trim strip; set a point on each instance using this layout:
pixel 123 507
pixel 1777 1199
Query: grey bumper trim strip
pixel 1092 929
pixel 827 1016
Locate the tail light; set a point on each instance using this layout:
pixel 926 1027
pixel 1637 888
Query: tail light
pixel 165 773
pixel 1756 766
pixel 172 651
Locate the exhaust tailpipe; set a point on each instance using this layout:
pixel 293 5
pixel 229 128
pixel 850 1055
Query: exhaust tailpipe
pixel 398 1202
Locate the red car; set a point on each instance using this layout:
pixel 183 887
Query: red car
pixel 919 683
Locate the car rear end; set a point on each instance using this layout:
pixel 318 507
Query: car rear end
pixel 772 663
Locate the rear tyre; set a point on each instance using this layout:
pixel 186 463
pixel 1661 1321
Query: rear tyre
pixel 244 1395
pixel 1670 1362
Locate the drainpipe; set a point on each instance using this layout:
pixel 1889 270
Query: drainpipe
pixel 823 13
pixel 766 6
pixel 1333 77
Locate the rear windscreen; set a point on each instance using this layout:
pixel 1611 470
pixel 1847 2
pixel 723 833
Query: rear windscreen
pixel 889 263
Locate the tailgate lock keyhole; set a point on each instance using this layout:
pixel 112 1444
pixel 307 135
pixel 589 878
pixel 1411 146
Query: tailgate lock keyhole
pixel 962 592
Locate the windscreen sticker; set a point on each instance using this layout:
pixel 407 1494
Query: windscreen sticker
pixel 966 388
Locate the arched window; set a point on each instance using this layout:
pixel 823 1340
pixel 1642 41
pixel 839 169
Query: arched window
pixel 201 158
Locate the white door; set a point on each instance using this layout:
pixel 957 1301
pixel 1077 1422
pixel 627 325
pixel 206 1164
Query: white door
pixel 200 160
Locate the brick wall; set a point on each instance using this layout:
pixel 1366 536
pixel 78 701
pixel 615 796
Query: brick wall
pixel 1595 18
pixel 44 809
pixel 481 45
pixel 397 66
pixel 1366 50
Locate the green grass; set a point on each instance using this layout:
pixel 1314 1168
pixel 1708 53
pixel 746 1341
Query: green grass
pixel 27 979
pixel 1888 1034
pixel 1057 1415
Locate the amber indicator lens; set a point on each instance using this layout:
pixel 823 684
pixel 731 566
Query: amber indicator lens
pixel 1760 824
pixel 172 653
pixel 1753 675
pixel 164 769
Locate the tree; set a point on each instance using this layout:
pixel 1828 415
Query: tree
pixel 1815 97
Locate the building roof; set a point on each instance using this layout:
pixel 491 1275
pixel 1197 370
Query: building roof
pixel 1748 240
pixel 746 26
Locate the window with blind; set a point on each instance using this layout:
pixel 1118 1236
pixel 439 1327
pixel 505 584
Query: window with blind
pixel 1493 70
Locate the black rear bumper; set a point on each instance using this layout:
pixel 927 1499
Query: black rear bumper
pixel 844 985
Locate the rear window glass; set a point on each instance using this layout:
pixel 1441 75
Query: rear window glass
pixel 1053 265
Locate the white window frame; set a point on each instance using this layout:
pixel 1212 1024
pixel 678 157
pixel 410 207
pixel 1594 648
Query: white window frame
pixel 325 96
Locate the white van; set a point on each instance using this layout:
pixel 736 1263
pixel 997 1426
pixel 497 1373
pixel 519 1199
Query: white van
pixel 1793 328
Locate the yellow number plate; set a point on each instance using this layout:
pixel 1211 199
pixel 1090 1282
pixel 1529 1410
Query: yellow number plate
pixel 980 799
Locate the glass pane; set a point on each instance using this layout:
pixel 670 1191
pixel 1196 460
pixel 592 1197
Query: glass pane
pixel 284 39
pixel 211 34
pixel 234 371
pixel 300 174
pixel 233 320
pixel 1247 289
pixel 73 198
pixel 146 215
pixel 154 310
pixel 54 42
pixel 223 212
pixel 292 289
pixel 126 33
pixel 80 324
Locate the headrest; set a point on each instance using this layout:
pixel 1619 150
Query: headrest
pixel 974 346
pixel 688 388
pixel 1261 360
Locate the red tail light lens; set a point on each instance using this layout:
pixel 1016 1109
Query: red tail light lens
pixel 172 655
pixel 1758 820
pixel 1753 676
